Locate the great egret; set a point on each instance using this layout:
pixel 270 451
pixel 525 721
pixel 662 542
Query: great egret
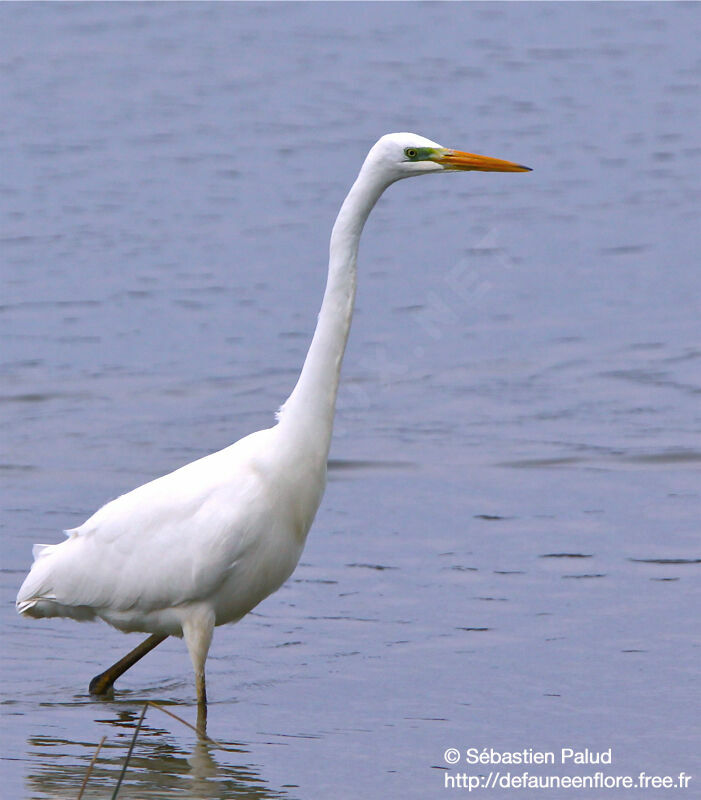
pixel 205 544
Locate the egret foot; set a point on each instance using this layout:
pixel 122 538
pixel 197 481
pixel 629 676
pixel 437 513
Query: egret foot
pixel 102 684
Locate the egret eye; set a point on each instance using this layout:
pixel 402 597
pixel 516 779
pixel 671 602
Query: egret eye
pixel 411 152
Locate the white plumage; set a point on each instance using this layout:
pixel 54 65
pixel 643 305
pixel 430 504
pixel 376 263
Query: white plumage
pixel 217 530
pixel 205 544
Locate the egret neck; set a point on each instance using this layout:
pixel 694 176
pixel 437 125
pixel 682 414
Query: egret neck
pixel 309 411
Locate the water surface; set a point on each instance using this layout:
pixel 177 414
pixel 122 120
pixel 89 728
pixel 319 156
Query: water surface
pixel 508 553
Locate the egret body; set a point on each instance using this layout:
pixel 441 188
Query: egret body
pixel 203 545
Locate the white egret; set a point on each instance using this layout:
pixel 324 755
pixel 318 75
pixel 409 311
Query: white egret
pixel 203 545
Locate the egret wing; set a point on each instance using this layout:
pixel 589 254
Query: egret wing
pixel 171 541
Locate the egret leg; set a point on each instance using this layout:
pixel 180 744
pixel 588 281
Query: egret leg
pixel 197 630
pixel 102 683
pixel 201 690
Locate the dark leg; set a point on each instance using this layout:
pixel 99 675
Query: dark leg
pixel 102 683
pixel 201 703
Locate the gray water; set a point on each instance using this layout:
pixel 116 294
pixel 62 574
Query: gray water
pixel 507 555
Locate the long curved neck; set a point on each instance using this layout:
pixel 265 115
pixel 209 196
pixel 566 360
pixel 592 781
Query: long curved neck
pixel 308 413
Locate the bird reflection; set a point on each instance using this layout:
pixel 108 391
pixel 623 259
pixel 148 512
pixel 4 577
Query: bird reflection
pixel 159 765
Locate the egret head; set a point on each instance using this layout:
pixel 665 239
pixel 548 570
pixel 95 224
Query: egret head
pixel 401 155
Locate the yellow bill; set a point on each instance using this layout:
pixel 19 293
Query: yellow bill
pixel 456 159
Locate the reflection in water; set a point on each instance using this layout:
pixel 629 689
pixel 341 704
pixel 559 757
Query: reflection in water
pixel 158 767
